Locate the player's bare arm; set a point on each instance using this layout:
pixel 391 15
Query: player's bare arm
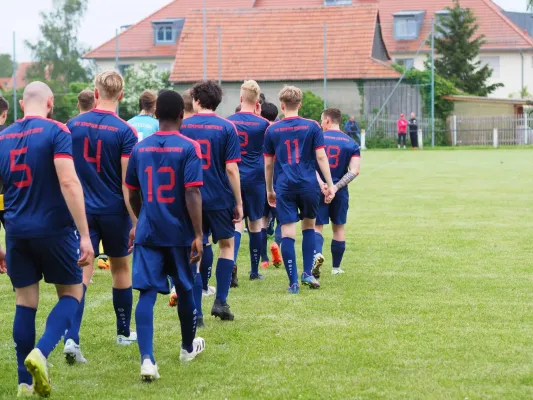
pixel 323 185
pixel 126 192
pixel 232 170
pixel 323 163
pixel 353 172
pixel 193 201
pixel 135 202
pixel 269 177
pixel 73 194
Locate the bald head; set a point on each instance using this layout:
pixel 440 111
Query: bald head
pixel 37 100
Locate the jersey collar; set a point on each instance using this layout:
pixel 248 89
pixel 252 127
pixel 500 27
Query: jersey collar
pixel 167 133
pixel 104 111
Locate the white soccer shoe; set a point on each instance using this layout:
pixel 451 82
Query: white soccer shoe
pixel 127 340
pixel 25 390
pixel 336 271
pixel 198 345
pixel 318 260
pixel 149 371
pixel 211 291
pixel 72 353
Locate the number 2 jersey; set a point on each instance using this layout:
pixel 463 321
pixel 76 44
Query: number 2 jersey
pixel 34 205
pixel 100 139
pixel 162 166
pixel 294 141
pixel 220 145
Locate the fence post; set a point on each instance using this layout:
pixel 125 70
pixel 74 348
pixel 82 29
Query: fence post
pixel 363 139
pixel 454 122
pixel 420 139
pixel 495 138
pixel 526 129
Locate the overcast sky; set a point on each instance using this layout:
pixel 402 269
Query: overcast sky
pixel 100 21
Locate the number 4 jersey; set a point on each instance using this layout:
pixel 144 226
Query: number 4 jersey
pixel 100 139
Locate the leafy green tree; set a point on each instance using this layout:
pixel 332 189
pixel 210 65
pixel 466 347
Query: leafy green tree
pixel 6 65
pixel 312 106
pixel 457 46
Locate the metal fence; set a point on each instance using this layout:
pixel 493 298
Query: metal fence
pixel 490 131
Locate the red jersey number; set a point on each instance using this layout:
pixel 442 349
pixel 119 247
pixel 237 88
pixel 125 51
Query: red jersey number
pixel 333 153
pixel 14 167
pixel 244 141
pixel 162 188
pixel 97 158
pixel 296 157
pixel 206 155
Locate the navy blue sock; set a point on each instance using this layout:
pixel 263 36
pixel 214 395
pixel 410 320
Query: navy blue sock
pixel 74 330
pixel 197 291
pixel 255 249
pixel 187 314
pixel 277 234
pixel 237 246
pixel 308 249
pixel 144 320
pixel 224 271
pixel 58 321
pixel 264 245
pixel 337 252
pixel 123 303
pixel 319 242
pixel 24 337
pixel 288 252
pixel 206 265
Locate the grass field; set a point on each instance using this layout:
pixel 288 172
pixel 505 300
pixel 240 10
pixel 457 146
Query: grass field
pixel 436 302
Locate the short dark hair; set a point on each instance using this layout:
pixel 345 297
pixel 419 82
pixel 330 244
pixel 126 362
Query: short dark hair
pixel 238 108
pixel 147 100
pixel 208 93
pixel 86 100
pixel 4 105
pixel 262 99
pixel 269 111
pixel 169 106
pixel 334 114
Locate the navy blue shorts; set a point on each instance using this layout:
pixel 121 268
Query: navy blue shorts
pixel 292 208
pixel 253 200
pixel 153 265
pixel 55 258
pixel 113 231
pixel 219 223
pixel 337 211
pixel 268 210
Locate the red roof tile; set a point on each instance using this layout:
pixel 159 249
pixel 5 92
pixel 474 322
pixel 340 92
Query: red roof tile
pixel 267 45
pixel 8 82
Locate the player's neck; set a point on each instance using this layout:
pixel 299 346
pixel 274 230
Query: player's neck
pixel 290 114
pixel 147 113
pixel 204 111
pixel 334 127
pixel 187 115
pixel 167 126
pixel 106 105
pixel 35 112
pixel 247 108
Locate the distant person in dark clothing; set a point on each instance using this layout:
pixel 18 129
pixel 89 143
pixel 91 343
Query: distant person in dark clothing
pixel 4 108
pixel 402 131
pixel 413 130
pixel 352 129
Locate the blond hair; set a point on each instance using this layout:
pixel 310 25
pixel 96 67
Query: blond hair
pixel 110 85
pixel 291 96
pixel 250 92
pixel 187 101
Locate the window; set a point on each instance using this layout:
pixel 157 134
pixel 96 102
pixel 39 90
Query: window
pixel 493 62
pixel 441 16
pixel 167 31
pixel 407 24
pixel 337 2
pixel 406 62
pixel 165 34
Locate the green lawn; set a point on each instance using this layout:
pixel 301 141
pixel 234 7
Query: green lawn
pixel 436 302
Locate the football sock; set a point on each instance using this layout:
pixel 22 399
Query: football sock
pixel 58 321
pixel 187 315
pixel 24 337
pixel 319 242
pixel 197 291
pixel 172 282
pixel 144 320
pixel 237 246
pixel 337 252
pixel 308 249
pixel 288 253
pixel 255 248
pixel 74 330
pixel 277 234
pixel 224 271
pixel 264 245
pixel 123 303
pixel 206 266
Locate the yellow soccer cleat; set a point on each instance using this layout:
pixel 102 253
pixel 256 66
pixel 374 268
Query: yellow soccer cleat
pixel 1 202
pixel 36 365
pixel 103 264
pixel 25 390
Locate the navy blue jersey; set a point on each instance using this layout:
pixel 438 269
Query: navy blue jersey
pixel 162 166
pixel 340 149
pixel 220 145
pixel 34 205
pixel 294 141
pixel 251 130
pixel 100 139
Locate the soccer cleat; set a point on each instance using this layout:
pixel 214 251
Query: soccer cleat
pixel 198 345
pixel 256 277
pixel 127 340
pixel 270 227
pixel 211 290
pixel 276 255
pixel 173 298
pixel 234 278
pixel 149 371
pixel 222 311
pixel 25 390
pixel 294 289
pixel 336 271
pixel 317 264
pixel 265 264
pixel 36 365
pixel 72 353
pixel 103 264
pixel 310 280
pixel 200 322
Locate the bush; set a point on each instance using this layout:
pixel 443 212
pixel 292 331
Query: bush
pixel 378 140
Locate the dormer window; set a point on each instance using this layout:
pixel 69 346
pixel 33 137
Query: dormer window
pixel 407 24
pixel 167 31
pixel 441 16
pixel 337 2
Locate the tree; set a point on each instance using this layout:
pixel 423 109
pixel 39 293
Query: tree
pixel 457 47
pixel 58 52
pixel 6 65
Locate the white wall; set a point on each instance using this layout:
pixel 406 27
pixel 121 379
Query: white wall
pixel 163 64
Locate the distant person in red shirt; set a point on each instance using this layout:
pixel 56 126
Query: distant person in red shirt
pixel 402 130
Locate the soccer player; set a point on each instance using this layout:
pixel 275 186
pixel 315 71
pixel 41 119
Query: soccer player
pixel 344 162
pixel 102 144
pixel 251 130
pixel 46 231
pixel 221 192
pixel 145 124
pixel 297 143
pixel 188 106
pixel 4 108
pixel 164 178
pixel 86 101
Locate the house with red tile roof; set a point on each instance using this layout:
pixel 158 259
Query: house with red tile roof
pixel 7 83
